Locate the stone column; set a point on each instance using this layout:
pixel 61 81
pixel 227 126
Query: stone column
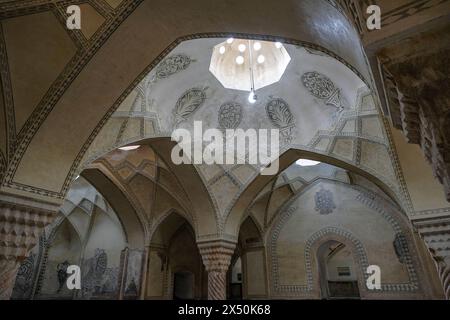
pixel 216 256
pixel 21 222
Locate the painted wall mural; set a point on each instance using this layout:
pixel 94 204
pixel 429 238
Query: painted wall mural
pixel 99 281
pixel 25 276
pixel 81 235
pixel 133 261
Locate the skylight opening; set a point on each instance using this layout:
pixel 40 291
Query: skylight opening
pixel 306 162
pixel 128 148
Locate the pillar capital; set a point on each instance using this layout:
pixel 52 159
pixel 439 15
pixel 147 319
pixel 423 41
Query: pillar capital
pixel 216 255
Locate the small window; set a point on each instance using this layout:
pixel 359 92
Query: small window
pixel 343 271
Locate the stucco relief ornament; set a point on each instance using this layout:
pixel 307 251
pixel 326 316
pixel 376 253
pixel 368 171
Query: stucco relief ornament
pixel 172 65
pixel 188 103
pixel 281 117
pixel 400 247
pixel 320 86
pixel 324 201
pixel 230 115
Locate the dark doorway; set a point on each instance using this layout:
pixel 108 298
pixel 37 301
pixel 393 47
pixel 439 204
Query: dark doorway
pixel 183 285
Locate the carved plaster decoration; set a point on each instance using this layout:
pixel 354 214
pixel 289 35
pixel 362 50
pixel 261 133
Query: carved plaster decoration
pixel 281 117
pixel 435 231
pixel 230 115
pixel 400 247
pixel 188 103
pixel 172 65
pixel 324 201
pixel 320 86
pixel 416 89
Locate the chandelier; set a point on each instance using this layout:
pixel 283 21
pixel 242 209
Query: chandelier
pixel 248 65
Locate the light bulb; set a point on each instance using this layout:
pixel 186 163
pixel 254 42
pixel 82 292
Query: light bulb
pixel 239 59
pixel 128 148
pixel 230 40
pixel 261 59
pixel 257 46
pixel 278 45
pixel 242 47
pixel 252 97
pixel 222 50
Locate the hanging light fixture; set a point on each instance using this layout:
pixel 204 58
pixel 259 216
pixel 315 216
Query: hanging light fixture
pixel 252 97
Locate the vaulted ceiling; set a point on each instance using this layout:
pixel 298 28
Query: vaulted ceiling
pixel 59 86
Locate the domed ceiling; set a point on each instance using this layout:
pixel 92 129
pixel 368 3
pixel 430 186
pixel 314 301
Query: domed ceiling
pixel 327 109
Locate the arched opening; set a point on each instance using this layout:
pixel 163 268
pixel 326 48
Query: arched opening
pixel 351 214
pixel 235 280
pixel 64 249
pixel 247 273
pixel 286 159
pixel 133 226
pixel 87 234
pixel 175 269
pixel 123 174
pixel 337 271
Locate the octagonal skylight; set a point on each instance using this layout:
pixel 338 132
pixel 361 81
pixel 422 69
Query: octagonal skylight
pixel 248 65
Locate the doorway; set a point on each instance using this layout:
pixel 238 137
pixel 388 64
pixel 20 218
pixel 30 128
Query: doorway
pixel 183 285
pixel 337 271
